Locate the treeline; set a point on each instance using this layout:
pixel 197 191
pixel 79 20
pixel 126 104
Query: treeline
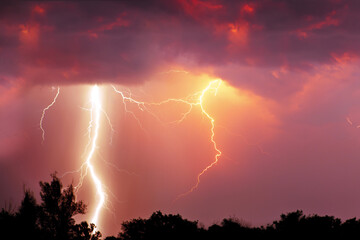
pixel 52 219
pixel 294 225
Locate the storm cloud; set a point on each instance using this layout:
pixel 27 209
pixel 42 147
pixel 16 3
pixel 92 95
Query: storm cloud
pixel 124 41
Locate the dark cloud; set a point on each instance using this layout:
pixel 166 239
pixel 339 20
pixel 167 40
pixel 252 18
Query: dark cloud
pixel 125 41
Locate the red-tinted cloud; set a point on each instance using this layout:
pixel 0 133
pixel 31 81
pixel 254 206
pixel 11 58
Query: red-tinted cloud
pixel 125 41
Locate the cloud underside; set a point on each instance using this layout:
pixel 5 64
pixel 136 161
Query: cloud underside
pixel 80 42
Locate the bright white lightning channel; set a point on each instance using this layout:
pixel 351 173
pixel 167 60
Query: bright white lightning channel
pixel 95 125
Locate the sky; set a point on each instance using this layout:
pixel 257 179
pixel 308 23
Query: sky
pixel 286 113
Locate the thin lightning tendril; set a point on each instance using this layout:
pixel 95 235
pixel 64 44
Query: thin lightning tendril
pixel 212 120
pixel 110 124
pixel 44 112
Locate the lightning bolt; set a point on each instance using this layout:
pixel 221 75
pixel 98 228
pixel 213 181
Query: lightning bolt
pixel 95 124
pixel 91 148
pixel 212 121
pixel 44 112
pixel 93 134
pixel 193 100
pixel 196 99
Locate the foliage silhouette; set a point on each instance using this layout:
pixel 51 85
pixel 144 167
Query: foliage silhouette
pixel 159 226
pixel 296 224
pixel 293 225
pixel 8 224
pixel 52 219
pixel 58 208
pixel 28 217
pixel 232 228
pixel 83 231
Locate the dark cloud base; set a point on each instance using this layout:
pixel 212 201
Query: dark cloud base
pixel 126 41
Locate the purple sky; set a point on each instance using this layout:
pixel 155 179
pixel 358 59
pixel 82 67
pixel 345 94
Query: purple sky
pixel 286 114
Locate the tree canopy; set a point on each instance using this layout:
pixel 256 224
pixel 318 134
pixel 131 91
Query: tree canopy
pixel 52 219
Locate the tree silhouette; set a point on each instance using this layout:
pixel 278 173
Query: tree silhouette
pixel 51 220
pixel 8 224
pixel 83 231
pixel 296 224
pixel 351 228
pixel 289 223
pixel 159 226
pixel 58 208
pixel 232 228
pixel 28 217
